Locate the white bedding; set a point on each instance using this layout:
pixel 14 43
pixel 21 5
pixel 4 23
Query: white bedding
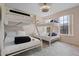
pixel 10 47
pixel 47 38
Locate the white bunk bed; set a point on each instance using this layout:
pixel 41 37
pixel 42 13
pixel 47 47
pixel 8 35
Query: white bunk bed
pixel 13 49
pixel 50 39
pixel 45 36
pixel 9 47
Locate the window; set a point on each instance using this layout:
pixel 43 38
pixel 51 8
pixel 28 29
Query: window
pixel 65 24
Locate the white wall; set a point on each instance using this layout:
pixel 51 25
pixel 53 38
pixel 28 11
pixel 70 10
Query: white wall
pixel 2 28
pixel 73 39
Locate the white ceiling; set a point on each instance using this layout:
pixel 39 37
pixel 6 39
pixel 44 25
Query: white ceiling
pixel 34 8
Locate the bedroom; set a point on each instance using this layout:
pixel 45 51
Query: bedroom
pixel 55 26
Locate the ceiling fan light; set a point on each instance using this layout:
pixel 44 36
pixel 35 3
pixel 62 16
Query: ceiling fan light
pixel 45 8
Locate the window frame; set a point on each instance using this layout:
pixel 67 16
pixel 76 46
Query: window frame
pixel 70 21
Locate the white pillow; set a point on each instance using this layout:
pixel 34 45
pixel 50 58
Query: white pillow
pixel 11 34
pixel 10 37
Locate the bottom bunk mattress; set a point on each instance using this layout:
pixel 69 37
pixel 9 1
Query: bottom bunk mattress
pixel 10 47
pixel 48 38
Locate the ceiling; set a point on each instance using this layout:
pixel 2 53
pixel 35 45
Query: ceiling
pixel 34 8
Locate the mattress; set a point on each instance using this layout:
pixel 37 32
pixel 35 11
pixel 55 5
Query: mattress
pixel 10 47
pixel 48 38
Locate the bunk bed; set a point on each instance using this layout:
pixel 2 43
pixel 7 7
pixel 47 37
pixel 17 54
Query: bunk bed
pixel 12 49
pixel 14 24
pixel 53 35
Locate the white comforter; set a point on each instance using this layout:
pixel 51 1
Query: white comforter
pixel 48 38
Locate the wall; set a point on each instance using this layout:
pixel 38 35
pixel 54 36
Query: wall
pixel 2 28
pixel 75 11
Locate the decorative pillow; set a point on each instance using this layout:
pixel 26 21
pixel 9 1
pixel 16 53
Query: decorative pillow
pixel 54 34
pixel 54 21
pixel 22 39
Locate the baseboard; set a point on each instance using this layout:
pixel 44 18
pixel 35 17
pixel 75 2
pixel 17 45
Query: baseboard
pixel 70 43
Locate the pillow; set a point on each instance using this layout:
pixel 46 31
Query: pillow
pixel 11 34
pixel 22 39
pixel 10 37
pixel 54 34
pixel 49 34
